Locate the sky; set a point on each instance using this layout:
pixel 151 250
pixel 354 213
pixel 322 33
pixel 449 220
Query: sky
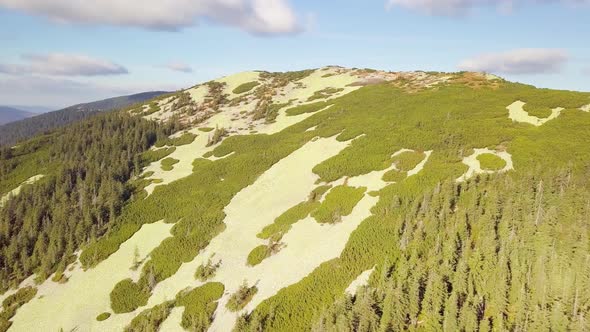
pixel 56 53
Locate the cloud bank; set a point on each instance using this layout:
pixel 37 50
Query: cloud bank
pixel 520 61
pixel 254 16
pixel 59 64
pixel 462 7
pixel 59 92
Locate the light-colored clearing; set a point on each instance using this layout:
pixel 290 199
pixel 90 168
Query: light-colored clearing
pixel 185 154
pixel 585 108
pixel 231 120
pixel 76 303
pixel 16 190
pixel 165 111
pixel 475 166
pixel 308 244
pixel 311 128
pixel 233 81
pixel 517 113
pixel 198 93
pixel 172 323
pixel 301 90
pixel 361 280
pixel 284 121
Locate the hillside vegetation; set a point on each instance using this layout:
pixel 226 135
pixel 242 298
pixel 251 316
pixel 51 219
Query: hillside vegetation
pixel 502 249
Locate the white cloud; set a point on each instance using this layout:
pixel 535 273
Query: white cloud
pixel 462 7
pixel 179 66
pixel 254 16
pixel 520 61
pixel 59 64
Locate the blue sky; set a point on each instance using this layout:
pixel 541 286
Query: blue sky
pixel 56 54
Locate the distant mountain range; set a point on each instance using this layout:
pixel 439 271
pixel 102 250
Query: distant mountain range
pixel 36 109
pixel 11 114
pixel 17 125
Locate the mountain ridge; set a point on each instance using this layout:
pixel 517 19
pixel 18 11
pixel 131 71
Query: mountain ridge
pixel 11 133
pixel 11 114
pixel 325 199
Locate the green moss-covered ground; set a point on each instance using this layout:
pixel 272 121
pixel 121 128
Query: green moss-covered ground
pixel 407 161
pixel 258 254
pixel 339 202
pixel 539 112
pixel 245 87
pixel 491 162
pixel 167 164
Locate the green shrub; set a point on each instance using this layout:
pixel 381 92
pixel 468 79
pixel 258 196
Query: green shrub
pixel 258 254
pixel 407 161
pixel 218 135
pixel 307 108
pixel 206 129
pixel 206 271
pixel 266 109
pixel 339 202
pixel 539 112
pixel 283 223
pixel 184 139
pixel 491 162
pixel 241 297
pixel 261 252
pixel 150 319
pixel 153 108
pixel 245 87
pixel 199 305
pixel 103 316
pixel 151 156
pixel 318 192
pixel 394 176
pixel 12 303
pixel 19 298
pixel 4 324
pixel 167 164
pixel 128 295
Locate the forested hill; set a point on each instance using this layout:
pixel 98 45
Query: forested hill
pixel 11 114
pixel 331 199
pixel 14 132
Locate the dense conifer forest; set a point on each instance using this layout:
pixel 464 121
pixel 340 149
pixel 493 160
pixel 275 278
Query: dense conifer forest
pixel 87 166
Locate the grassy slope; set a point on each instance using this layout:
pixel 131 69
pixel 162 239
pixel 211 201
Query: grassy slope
pixel 447 120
